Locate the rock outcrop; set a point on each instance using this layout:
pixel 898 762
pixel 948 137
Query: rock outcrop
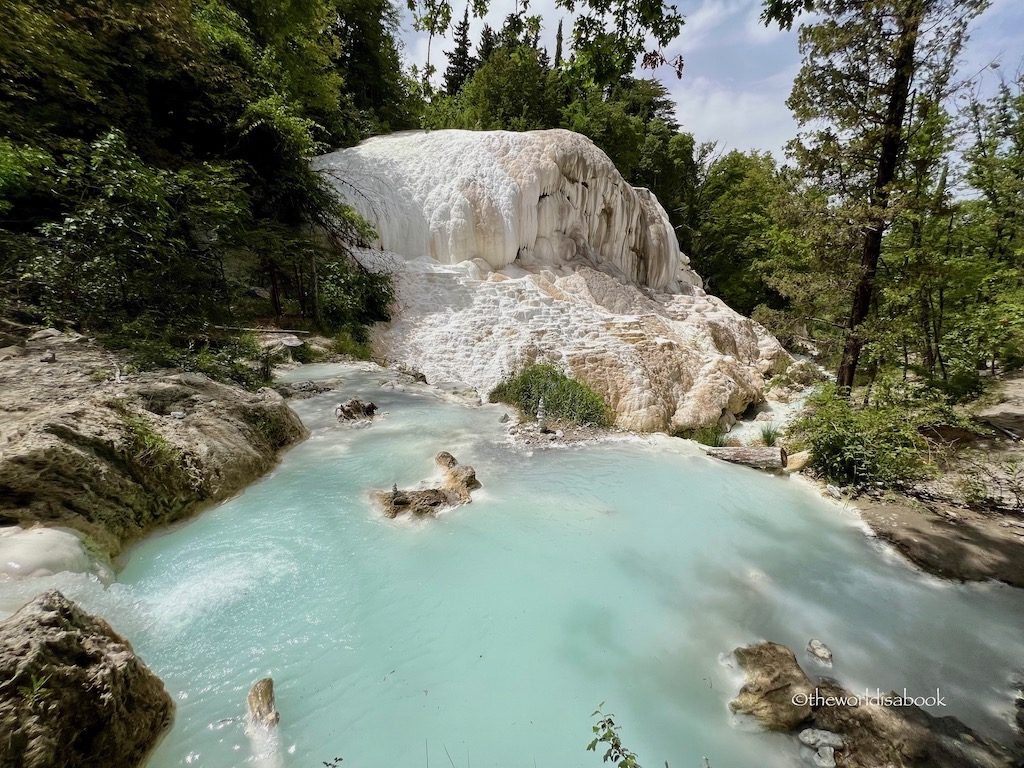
pixel 513 247
pixel 73 693
pixel 456 487
pixel 354 410
pixel 861 734
pixel 87 447
pixel 261 705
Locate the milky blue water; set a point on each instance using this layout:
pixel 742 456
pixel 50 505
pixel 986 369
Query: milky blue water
pixel 617 573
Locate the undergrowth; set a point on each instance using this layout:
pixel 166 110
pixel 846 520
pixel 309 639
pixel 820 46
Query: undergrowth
pixel 564 398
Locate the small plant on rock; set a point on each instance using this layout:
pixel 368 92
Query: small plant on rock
pixel 36 691
pixel 711 436
pixel 770 434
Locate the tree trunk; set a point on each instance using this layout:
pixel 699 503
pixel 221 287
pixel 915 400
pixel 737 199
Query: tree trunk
pixel 772 459
pixel 888 162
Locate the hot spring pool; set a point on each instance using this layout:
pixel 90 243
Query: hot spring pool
pixel 618 573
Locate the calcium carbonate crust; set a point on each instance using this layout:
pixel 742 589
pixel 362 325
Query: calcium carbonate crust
pixel 510 247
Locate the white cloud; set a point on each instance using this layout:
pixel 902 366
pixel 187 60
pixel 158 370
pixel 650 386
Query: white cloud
pixel 752 118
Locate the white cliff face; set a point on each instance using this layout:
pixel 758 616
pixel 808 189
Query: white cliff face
pixel 508 247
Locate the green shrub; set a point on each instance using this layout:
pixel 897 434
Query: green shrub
pixel 770 434
pixel 881 443
pixel 230 358
pixel 564 398
pixel 352 341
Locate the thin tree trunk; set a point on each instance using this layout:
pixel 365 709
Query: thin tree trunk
pixel 888 163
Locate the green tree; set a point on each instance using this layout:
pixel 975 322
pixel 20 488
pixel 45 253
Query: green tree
pixel 461 63
pixel 733 237
pixel 861 61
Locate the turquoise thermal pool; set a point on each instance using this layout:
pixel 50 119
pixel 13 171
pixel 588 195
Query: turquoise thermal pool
pixel 622 572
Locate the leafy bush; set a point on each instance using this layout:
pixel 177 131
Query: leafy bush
pixel 353 343
pixel 564 398
pixel 882 443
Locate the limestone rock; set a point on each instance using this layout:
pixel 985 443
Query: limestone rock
pixel 798 461
pixel 103 456
pixel 73 693
pixel 866 734
pixel 354 409
pixel 820 652
pixel 815 738
pixel 300 390
pixel 456 487
pixel 261 705
pixel 825 757
pixel 509 247
pixel 774 679
pixel 39 551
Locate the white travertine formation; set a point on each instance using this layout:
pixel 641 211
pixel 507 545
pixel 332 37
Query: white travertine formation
pixel 508 247
pixel 39 551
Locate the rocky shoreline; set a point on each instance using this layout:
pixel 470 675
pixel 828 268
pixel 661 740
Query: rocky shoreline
pixel 967 524
pixel 111 455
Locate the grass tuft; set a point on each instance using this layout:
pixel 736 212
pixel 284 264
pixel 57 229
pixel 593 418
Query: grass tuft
pixel 564 398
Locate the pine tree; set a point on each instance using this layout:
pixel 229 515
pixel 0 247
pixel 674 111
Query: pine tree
pixel 461 63
pixel 558 45
pixel 488 44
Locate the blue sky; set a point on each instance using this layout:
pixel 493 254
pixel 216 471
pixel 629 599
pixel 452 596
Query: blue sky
pixel 738 73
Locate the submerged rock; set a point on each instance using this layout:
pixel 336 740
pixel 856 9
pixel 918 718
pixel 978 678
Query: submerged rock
pixel 73 693
pixel 820 652
pixel 855 733
pixel 508 247
pixel 459 480
pixel 301 390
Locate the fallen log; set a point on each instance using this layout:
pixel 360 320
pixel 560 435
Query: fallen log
pixel 258 330
pixel 771 459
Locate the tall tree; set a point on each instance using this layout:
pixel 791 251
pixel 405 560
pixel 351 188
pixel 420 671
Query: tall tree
pixel 488 42
pixel 861 62
pixel 461 63
pixel 558 45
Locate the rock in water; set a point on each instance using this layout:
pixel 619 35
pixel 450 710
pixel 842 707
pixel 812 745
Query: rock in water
pixel 73 693
pixel 865 734
pixel 508 247
pixel 459 481
pixel 820 652
pixel 262 708
pixel 777 692
pixel 354 409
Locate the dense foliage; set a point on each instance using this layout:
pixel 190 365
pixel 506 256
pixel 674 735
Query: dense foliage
pixel 564 398
pixel 153 161
pixel 894 439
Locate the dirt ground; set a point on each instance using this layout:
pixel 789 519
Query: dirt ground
pixel 955 533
